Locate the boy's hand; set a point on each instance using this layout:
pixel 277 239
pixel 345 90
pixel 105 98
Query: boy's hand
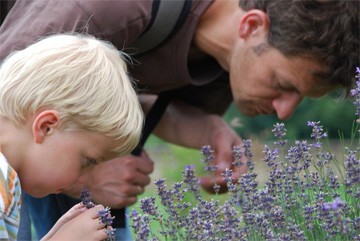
pixel 79 223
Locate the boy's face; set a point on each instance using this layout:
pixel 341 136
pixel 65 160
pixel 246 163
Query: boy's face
pixel 64 156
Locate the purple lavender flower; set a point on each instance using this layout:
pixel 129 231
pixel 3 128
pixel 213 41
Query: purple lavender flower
pixel 279 132
pixel 208 153
pixel 299 155
pixel 164 194
pixel 309 214
pixel 333 179
pixel 202 220
pixel 103 215
pixel 352 165
pixel 85 198
pixel 228 176
pixel 231 222
pixel 229 181
pixel 335 205
pixel 356 92
pixel 248 182
pixel 335 220
pixel 247 146
pixel 237 156
pixel 266 199
pixel 190 179
pixel 148 206
pixel 278 217
pixel 270 156
pixel 110 232
pixel 178 195
pixel 317 132
pixel 324 158
pixel 141 225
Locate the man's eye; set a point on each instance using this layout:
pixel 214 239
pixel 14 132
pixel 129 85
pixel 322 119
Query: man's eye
pixel 285 88
pixel 91 162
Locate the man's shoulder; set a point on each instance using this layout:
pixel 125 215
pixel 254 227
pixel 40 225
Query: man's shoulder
pixel 115 9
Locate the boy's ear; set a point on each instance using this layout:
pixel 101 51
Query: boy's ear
pixel 254 22
pixel 45 124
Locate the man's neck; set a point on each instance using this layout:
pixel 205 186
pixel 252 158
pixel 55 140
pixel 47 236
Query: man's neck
pixel 217 30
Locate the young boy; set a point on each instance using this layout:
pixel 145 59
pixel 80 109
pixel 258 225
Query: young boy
pixel 66 104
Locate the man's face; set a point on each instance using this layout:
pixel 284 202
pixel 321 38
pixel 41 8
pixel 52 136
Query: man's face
pixel 264 81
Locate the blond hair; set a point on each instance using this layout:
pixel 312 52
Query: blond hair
pixel 81 77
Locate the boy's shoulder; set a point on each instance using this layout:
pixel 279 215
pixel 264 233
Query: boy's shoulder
pixel 10 200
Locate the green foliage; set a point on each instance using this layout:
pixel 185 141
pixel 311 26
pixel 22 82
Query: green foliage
pixel 334 114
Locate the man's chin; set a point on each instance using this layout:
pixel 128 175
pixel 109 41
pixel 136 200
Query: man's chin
pixel 244 109
pixel 247 112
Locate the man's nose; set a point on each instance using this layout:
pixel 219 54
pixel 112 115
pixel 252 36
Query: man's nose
pixel 285 104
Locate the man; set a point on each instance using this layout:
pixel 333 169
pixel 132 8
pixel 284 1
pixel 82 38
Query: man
pixel 266 56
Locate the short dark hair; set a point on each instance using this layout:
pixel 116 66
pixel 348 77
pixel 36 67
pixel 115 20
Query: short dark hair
pixel 324 30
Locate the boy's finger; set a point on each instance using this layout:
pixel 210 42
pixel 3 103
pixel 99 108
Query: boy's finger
pixel 94 211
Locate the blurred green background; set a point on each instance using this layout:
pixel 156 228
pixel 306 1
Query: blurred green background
pixel 335 115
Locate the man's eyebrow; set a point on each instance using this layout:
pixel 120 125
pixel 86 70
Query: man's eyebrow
pixel 288 85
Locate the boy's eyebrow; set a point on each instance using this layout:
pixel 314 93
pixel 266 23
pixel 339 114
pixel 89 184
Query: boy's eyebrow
pixel 108 156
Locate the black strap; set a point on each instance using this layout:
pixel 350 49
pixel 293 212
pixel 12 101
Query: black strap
pixel 162 28
pixel 152 118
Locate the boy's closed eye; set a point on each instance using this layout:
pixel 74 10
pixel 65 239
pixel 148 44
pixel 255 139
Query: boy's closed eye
pixel 90 162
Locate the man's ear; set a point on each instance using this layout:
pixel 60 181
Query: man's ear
pixel 45 124
pixel 254 22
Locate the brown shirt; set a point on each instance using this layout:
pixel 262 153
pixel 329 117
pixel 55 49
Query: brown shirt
pixel 121 22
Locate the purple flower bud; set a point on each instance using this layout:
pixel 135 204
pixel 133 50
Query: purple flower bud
pixel 85 198
pixel 337 203
pixel 279 132
pixel 105 216
pixel 208 153
pixel 237 155
pixel 356 92
pixel 317 132
pixel 148 206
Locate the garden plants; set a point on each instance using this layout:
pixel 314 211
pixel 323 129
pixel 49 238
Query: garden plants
pixel 310 194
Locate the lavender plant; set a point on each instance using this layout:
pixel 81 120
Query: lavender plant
pixel 104 214
pixel 303 198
